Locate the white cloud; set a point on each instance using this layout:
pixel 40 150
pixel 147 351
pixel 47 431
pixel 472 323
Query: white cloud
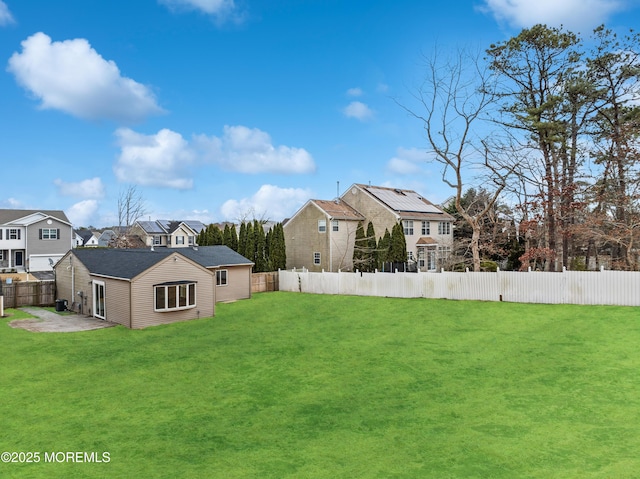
pixel 154 160
pixel 220 9
pixel 5 15
pixel 573 14
pixel 250 150
pixel 72 77
pixel 410 161
pixel 12 203
pixel 82 213
pixel 270 202
pixel 358 110
pixel 354 92
pixel 91 188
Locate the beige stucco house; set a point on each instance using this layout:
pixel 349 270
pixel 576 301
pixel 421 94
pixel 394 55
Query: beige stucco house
pixel 321 236
pixel 428 229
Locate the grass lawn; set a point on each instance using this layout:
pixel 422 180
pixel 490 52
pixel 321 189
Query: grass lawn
pixel 289 385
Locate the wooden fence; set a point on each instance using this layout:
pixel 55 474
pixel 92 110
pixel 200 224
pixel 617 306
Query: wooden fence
pixel 262 282
pixel 568 287
pixel 29 293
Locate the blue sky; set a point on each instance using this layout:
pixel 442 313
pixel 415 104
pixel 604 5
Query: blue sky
pixel 220 109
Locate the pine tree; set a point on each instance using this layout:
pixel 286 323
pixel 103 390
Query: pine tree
pixel 242 240
pixel 277 253
pixel 226 235
pixel 234 238
pixel 259 256
pixel 360 249
pixel 216 235
pixel 398 249
pixel 372 254
pixel 383 249
pixel 250 244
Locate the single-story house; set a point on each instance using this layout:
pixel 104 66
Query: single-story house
pixel 232 270
pixel 146 287
pixel 135 287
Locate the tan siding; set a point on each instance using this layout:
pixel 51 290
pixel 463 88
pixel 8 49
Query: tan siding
pixel 302 239
pixel 238 284
pixel 142 292
pixel 374 211
pixel 342 243
pixel 117 300
pixel 72 275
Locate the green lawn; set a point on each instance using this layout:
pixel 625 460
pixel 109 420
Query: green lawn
pixel 290 385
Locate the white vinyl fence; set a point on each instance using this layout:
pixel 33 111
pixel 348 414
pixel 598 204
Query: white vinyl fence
pixel 569 287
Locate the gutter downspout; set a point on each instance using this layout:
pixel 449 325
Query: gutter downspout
pixel 329 229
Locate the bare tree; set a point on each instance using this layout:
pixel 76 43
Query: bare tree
pixel 454 97
pixel 131 207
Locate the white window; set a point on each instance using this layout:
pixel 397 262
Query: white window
pixel 175 295
pixel 421 258
pixel 13 234
pixel 179 239
pixel 192 239
pixel 408 227
pixel 335 225
pixel 426 228
pixel 157 240
pixel 316 258
pixel 1 255
pixel 322 226
pixel 221 277
pixel 48 234
pixel 444 228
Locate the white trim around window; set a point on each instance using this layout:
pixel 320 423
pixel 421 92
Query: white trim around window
pixel 316 258
pixel 222 277
pixel 174 296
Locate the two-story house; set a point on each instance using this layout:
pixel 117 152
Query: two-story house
pixel 33 240
pixel 428 229
pixel 321 235
pixel 174 234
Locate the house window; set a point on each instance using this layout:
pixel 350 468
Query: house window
pixel 316 258
pixel 426 228
pixel 13 234
pixel 157 240
pixel 335 225
pixel 48 234
pixel 175 295
pixel 1 255
pixel 322 226
pixel 421 257
pixel 179 239
pixel 192 240
pixel 408 227
pixel 444 228
pixel 221 277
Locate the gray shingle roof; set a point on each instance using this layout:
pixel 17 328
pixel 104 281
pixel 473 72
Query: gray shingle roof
pixel 128 263
pixel 213 256
pixel 120 263
pixel 10 215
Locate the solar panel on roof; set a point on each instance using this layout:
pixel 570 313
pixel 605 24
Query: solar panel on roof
pixel 403 200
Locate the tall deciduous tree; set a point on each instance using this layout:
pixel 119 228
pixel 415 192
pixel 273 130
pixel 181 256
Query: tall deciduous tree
pixel 453 99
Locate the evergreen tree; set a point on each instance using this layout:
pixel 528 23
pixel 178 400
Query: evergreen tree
pixel 216 235
pixel 226 235
pixel 259 256
pixel 372 254
pixel 360 249
pixel 250 243
pixel 383 249
pixel 234 238
pixel 398 248
pixel 277 253
pixel 242 240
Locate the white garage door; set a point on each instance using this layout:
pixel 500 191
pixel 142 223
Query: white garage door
pixel 41 262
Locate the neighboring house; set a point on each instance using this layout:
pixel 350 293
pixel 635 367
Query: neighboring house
pixel 86 238
pixel 428 229
pixel 136 287
pixel 232 270
pixel 321 236
pixel 174 234
pixel 106 238
pixel 33 240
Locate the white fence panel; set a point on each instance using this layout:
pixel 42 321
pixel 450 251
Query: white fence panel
pixel 570 287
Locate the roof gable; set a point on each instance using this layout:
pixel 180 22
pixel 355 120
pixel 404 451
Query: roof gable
pixel 27 217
